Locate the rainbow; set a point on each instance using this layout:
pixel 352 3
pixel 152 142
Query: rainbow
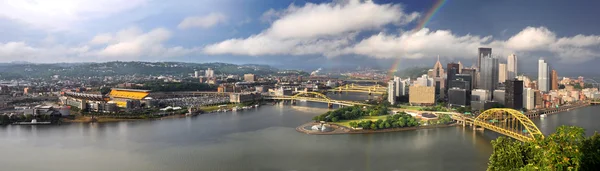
pixel 422 23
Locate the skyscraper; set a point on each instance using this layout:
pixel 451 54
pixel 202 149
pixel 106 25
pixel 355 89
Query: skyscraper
pixel 392 92
pixel 502 73
pixel 400 86
pixel 424 81
pixel 488 78
pixel 511 67
pixel 554 80
pixel 438 76
pixel 452 70
pixel 473 73
pixel 543 81
pixel 528 99
pixel 483 52
pixel 514 94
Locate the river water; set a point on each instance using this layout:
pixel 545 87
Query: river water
pixel 257 139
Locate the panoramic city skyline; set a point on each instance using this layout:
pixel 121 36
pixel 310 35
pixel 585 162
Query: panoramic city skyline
pixel 277 33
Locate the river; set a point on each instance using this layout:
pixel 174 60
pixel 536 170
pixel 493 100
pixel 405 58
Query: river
pixel 257 139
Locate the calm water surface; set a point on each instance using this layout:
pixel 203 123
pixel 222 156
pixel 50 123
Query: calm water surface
pixel 259 139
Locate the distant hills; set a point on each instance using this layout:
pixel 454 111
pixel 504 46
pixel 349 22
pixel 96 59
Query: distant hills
pixel 18 70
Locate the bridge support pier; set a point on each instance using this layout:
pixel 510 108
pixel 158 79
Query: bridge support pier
pixel 293 102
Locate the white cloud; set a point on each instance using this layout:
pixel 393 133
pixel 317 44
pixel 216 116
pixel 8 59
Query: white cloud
pixel 423 43
pixel 133 43
pixel 62 14
pixel 314 29
pixel 531 38
pixel 207 21
pixel 128 44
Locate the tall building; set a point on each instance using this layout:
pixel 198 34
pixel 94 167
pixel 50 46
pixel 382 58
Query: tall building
pixel 392 92
pixel 554 80
pixel 452 70
pixel 420 95
pixel 209 73
pixel 499 96
pixel 514 94
pixel 400 86
pixel 425 81
pixel 196 74
pixel 438 75
pixel 488 78
pixel 483 53
pixel 473 73
pixel 525 79
pixel 460 67
pixel 249 77
pixel 502 73
pixel 480 95
pixel 511 67
pixel 458 97
pixel 528 98
pixel 543 81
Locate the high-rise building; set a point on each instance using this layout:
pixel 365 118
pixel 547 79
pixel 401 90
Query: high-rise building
pixel 425 81
pixel 511 67
pixel 473 73
pixel 209 73
pixel 196 74
pixel 488 78
pixel 392 92
pixel 543 81
pixel 538 101
pixel 514 94
pixel 421 95
pixel 525 79
pixel 452 70
pixel 480 95
pixel 483 53
pixel 249 77
pixel 499 96
pixel 528 98
pixel 460 67
pixel 438 76
pixel 554 80
pixel 400 86
pixel 502 73
pixel 458 97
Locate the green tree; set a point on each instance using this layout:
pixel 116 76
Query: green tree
pixel 566 149
pixel 373 126
pixel 388 125
pixel 591 153
pixel 4 119
pixel 28 118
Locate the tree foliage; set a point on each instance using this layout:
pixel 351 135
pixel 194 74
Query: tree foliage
pixel 566 149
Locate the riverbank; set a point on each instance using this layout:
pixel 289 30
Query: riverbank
pixel 339 129
pixel 88 119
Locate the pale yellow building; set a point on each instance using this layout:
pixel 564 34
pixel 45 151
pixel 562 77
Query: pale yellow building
pixel 421 95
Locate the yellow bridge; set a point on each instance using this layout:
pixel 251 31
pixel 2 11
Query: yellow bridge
pixel 315 97
pixel 375 89
pixel 505 121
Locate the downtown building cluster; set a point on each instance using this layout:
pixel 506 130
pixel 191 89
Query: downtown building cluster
pixel 490 83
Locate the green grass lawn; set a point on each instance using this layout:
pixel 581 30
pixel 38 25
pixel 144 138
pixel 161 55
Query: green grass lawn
pixel 411 107
pixel 346 123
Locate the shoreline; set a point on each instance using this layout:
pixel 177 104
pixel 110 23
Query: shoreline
pixel 338 129
pixel 87 119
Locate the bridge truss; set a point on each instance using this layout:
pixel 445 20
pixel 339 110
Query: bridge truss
pixel 375 89
pixel 508 122
pixel 316 97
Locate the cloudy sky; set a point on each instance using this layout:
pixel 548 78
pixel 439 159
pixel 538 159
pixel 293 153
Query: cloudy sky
pixel 300 33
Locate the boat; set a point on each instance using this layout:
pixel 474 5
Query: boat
pixel 256 105
pixel 543 116
pixel 33 122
